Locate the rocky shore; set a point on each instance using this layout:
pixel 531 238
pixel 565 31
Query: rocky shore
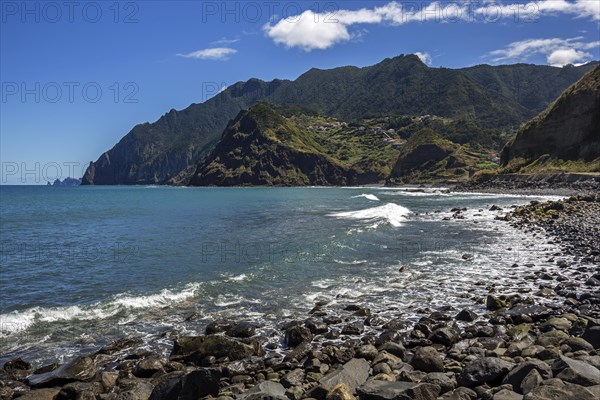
pixel 524 344
pixel 560 184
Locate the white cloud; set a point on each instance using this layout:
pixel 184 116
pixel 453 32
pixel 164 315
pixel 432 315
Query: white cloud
pixel 558 51
pixel 425 57
pixel 562 57
pixel 216 53
pixel 225 41
pixel 310 30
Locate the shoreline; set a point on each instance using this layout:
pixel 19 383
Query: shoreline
pixel 449 353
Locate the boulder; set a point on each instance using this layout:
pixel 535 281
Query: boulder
pixel 293 378
pixel 265 390
pixel 196 384
pixel 352 374
pixel 218 326
pixel 446 336
pixel 427 359
pixel 518 374
pixel 505 394
pixel 196 348
pixel 555 389
pixel 41 394
pixel 383 390
pixel 466 315
pixel 575 371
pixel 484 370
pixel 444 381
pixel 297 334
pixel 340 392
pixel 242 330
pixel 80 369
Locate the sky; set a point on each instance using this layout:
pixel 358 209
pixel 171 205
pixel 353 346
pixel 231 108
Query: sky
pixel 76 76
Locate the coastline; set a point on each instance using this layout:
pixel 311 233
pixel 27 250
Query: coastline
pixel 543 343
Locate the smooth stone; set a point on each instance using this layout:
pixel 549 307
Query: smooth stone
pixel 382 390
pixel 353 374
pixel 488 370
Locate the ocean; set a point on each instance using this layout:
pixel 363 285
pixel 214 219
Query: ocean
pixel 82 266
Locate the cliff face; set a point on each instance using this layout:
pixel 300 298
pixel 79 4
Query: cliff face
pixel 168 150
pixel 569 129
pixel 261 147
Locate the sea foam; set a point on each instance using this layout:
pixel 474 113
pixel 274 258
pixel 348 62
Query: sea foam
pixel 390 213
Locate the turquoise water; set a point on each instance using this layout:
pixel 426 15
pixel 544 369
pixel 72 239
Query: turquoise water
pixel 82 266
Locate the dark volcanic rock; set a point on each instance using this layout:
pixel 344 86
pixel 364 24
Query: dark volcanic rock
pixel 242 330
pixel 575 371
pixel 353 374
pixel 488 370
pixel 297 334
pixel 80 369
pixel 521 371
pixel 197 384
pixel 218 326
pixel 196 348
pixel 427 359
pixel 381 390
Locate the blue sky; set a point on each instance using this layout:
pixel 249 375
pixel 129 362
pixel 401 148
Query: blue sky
pixel 77 76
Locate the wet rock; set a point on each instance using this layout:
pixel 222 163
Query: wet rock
pixel 494 303
pixel 427 359
pixel 18 364
pixel 242 330
pixel 446 336
pixel 354 328
pixel 394 324
pixel 592 335
pixel 387 336
pixel 575 371
pixel 484 370
pixel 316 327
pixel 382 390
pixel 148 367
pixel 218 326
pixel 196 384
pixel 121 344
pixel 299 352
pixel 196 348
pixel 352 374
pixel 466 315
pixel 80 369
pixel 297 334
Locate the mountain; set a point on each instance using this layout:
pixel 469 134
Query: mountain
pixel 566 135
pixel 279 146
pixel 168 150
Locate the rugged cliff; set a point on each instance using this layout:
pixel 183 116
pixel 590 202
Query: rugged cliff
pixel 568 130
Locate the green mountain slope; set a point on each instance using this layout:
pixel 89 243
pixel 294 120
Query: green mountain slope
pixel 565 136
pixel 428 157
pixel 167 150
pixel 268 145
